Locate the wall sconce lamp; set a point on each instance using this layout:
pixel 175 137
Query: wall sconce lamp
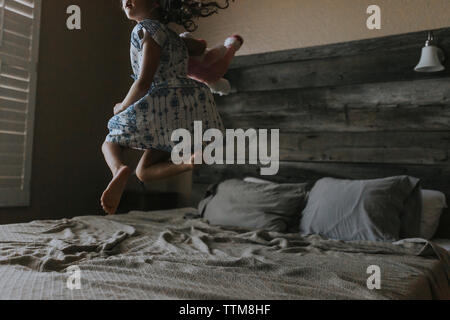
pixel 432 57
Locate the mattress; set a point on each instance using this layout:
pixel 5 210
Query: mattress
pixel 171 255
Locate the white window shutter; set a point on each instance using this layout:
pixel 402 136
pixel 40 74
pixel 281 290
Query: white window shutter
pixel 19 45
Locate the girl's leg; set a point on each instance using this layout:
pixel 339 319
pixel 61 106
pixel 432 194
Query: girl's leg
pixel 156 165
pixel 113 156
pixel 111 196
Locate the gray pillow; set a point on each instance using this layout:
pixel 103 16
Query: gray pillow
pixel 377 210
pixel 254 206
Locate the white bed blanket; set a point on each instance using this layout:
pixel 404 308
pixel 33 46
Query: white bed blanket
pixel 162 255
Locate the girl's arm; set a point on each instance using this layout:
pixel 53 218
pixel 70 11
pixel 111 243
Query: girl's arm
pixel 151 56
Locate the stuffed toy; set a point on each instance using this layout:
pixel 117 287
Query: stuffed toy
pixel 212 65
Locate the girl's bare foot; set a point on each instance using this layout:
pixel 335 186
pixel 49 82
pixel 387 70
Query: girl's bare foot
pixel 188 166
pixel 111 196
pixel 192 161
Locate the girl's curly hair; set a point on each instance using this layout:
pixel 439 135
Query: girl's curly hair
pixel 183 12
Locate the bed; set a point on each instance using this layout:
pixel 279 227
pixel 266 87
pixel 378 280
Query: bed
pixel 176 255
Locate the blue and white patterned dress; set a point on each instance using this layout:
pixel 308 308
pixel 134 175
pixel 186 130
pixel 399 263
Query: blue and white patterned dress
pixel 174 101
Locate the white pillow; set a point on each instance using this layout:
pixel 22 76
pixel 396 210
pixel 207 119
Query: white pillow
pixel 256 180
pixel 433 202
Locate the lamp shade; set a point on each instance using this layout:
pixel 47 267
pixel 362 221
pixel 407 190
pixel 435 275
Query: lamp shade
pixel 430 60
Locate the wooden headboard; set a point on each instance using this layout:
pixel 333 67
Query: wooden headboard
pixel 353 110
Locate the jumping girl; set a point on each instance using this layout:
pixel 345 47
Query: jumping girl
pixel 162 97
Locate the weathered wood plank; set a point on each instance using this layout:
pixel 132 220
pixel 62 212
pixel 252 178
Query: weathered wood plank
pixel 418 105
pixel 408 147
pixel 403 118
pixel 368 147
pixel 388 45
pixel 370 95
pixel 337 71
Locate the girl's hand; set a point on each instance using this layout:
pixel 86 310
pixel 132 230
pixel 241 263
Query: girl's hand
pixel 118 108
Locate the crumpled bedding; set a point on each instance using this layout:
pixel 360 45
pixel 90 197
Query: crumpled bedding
pixel 165 255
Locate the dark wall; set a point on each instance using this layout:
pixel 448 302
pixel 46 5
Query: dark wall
pixel 81 75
